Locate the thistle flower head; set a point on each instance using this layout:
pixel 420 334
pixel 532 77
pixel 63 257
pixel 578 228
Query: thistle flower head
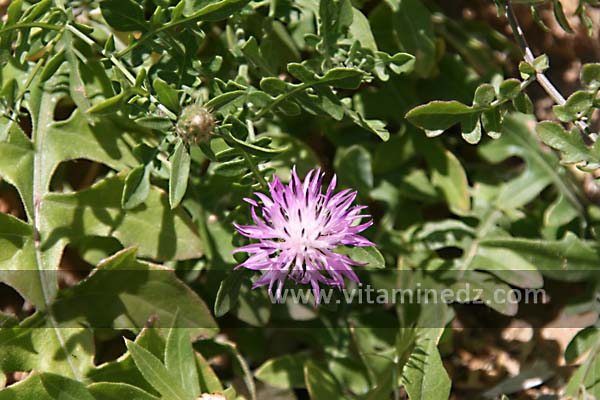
pixel 298 231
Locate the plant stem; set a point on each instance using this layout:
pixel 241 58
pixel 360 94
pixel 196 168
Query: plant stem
pixel 117 63
pixel 254 169
pixel 542 79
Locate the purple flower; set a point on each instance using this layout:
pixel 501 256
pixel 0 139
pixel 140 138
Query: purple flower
pixel 298 232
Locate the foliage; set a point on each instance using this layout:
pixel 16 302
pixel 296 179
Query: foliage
pixel 131 131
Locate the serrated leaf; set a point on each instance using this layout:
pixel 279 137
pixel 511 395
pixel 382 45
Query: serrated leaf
pixel 46 386
pixel 124 293
pixel 570 144
pixel 36 345
pixel 160 233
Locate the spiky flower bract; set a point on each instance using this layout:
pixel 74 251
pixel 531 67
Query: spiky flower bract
pixel 299 230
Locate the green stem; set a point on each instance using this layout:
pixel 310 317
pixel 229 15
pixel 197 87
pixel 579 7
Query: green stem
pixel 28 25
pixel 542 79
pixel 120 66
pixel 148 35
pixel 281 98
pixel 255 171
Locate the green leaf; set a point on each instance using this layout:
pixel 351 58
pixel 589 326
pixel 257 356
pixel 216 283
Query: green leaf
pixel 51 143
pixel 212 10
pixel 471 129
pixel 509 89
pixel 224 346
pixel 284 372
pixel 105 142
pixel 424 376
pixel 123 370
pixel 439 115
pixel 484 95
pixel 491 121
pixel 137 187
pixel 123 15
pixel 570 144
pixel 224 99
pixel 109 106
pixel 590 75
pixel 180 359
pixel 320 383
pixel 579 102
pixel 335 18
pixel 209 381
pixel 59 387
pixel 252 148
pixel 369 255
pixel 448 175
pixel 581 343
pixel 508 266
pixel 354 168
pixel 523 103
pixel 561 18
pixel 17 252
pixel 229 290
pixel 361 30
pixel 343 78
pixel 166 94
pixel 541 63
pixel 159 232
pixel 52 65
pixel 526 69
pixel 156 373
pixel 46 386
pixel 35 345
pixel 77 88
pixel 118 391
pixel 124 292
pixel 542 169
pixel 155 122
pixel 180 171
pixel 570 256
pixel 413 29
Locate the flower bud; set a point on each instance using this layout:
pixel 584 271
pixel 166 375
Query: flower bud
pixel 195 124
